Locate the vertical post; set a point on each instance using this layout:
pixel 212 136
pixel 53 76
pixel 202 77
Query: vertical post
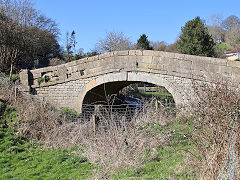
pixel 95 113
pixel 156 105
pixel 94 123
pixel 24 79
pixel 15 92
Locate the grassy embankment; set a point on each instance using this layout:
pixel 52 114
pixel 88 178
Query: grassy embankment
pixel 20 159
pixel 36 142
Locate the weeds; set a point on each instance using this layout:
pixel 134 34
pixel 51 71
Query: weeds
pixel 20 159
pixel 196 142
pixel 213 122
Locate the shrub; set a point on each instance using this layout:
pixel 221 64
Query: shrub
pixel 213 121
pixel 69 112
pixel 43 79
pixel 40 80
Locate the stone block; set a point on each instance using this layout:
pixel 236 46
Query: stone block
pixel 212 68
pixel 93 58
pixel 226 70
pixel 218 61
pixel 133 76
pixel 62 73
pixel 24 77
pixel 121 62
pixel 121 53
pixel 147 59
pixel 185 66
pixel 105 55
pixel 173 65
pixel 148 53
pixel 135 53
pixel 180 56
pixel 167 54
pixel 70 64
pixel 235 72
pixel 158 60
pixel 235 64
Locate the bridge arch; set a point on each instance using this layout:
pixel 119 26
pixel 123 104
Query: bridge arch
pixel 122 79
pixel 67 85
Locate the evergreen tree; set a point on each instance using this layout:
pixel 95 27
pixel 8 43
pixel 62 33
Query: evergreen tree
pixel 70 45
pixel 73 41
pixel 196 40
pixel 143 43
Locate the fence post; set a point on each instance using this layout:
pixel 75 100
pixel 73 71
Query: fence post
pixel 156 104
pixel 94 115
pixel 15 93
pixel 94 123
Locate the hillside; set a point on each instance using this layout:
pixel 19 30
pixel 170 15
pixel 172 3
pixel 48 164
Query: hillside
pixel 39 142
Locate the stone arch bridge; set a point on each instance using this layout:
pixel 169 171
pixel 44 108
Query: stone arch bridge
pixel 88 80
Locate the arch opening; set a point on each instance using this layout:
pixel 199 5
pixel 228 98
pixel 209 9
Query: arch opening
pixel 127 92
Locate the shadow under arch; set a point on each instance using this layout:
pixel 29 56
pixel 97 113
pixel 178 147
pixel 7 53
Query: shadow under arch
pixel 113 82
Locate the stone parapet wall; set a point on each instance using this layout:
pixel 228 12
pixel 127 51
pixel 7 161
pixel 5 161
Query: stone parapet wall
pixel 64 84
pixel 203 68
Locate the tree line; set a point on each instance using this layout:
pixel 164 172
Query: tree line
pixel 196 38
pixel 25 35
pixel 28 38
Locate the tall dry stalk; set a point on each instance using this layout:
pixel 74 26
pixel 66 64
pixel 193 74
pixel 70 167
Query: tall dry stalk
pixel 213 122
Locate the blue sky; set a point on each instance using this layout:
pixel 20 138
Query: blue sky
pixel 160 20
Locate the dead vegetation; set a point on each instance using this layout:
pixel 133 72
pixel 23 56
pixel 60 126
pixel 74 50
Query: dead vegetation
pixel 110 148
pixel 216 130
pixel 122 146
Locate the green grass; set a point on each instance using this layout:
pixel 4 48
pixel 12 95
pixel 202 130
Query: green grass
pixel 21 160
pixel 224 47
pixel 163 96
pixel 166 165
pixel 160 94
pixel 169 163
pixel 69 112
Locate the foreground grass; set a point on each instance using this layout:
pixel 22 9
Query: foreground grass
pixel 21 160
pixel 168 162
pixel 166 165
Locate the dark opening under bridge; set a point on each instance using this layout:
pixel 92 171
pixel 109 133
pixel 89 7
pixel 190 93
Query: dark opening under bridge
pixel 89 80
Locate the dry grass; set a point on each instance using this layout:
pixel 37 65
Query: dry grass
pixel 115 147
pixel 119 147
pixel 213 123
pixel 109 148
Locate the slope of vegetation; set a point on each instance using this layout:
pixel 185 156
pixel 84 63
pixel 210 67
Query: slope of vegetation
pixel 39 142
pixel 168 161
pixel 24 159
pixel 20 159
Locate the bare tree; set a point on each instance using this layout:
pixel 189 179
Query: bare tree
pixel 25 35
pixel 225 30
pixel 232 36
pixel 231 28
pixel 158 45
pixel 214 27
pixel 10 36
pixel 114 41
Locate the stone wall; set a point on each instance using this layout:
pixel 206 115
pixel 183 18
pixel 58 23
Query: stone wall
pixel 66 85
